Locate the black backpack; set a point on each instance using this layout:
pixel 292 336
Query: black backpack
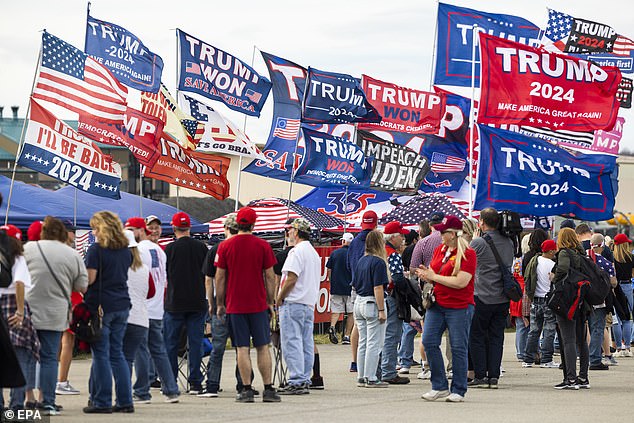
pixel 510 226
pixel 599 280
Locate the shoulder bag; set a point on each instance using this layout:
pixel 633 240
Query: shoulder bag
pixel 511 287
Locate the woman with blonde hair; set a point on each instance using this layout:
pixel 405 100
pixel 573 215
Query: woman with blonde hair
pixel 370 282
pixel 108 261
pixel 452 271
pixel 624 266
pixel 572 333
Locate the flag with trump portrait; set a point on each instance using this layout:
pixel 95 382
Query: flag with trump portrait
pixel 215 74
pixel 74 80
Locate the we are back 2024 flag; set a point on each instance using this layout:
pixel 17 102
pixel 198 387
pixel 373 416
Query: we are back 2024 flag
pixel 532 176
pixel 220 76
pixel 124 54
pixel 528 86
pixel 53 148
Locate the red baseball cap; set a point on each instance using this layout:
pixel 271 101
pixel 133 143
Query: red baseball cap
pixel 34 233
pixel 181 220
pixel 549 245
pixel 137 223
pixel 621 239
pixel 369 220
pixel 395 227
pixel 246 216
pixel 12 231
pixel 449 223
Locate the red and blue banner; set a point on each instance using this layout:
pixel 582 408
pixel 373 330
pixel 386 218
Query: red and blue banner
pixel 129 60
pixel 528 86
pixel 534 177
pixel 455 40
pixel 218 75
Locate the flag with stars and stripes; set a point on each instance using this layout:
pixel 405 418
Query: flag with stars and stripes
pixel 575 35
pixel 73 80
pixel 421 207
pixel 53 148
pixel 558 29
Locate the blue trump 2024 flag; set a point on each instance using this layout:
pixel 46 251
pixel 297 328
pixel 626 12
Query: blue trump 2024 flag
pixel 131 62
pixel 531 176
pixel 455 40
pixel 330 160
pixel 220 76
pixel 336 98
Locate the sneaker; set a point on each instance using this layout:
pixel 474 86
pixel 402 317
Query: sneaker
pixel 361 382
pixel 31 405
pixel 550 365
pixel 493 383
pixel 403 371
pixel 583 384
pixel 599 366
pixel 397 380
pixel 454 398
pixel 208 393
pixel 270 395
pixel 353 367
pixel 65 388
pixel 612 361
pixel 345 340
pixel 245 396
pixel 332 335
pixel 294 390
pixel 195 389
pixel 174 398
pixel 156 384
pixel 425 374
pixel 526 365
pixel 125 409
pixel 138 400
pixel 97 410
pixel 49 410
pixel 415 363
pixel 478 383
pixel 627 353
pixel 567 385
pixel 376 384
pixel 433 395
pixel 316 383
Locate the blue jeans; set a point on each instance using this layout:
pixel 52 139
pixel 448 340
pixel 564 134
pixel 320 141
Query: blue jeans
pixel 486 341
pixel 195 325
pixel 298 346
pixel 108 361
pixel 153 352
pixel 393 331
pixel 27 364
pixel 596 323
pixel 371 336
pixel 135 336
pixel 406 349
pixel 49 346
pixel 542 319
pixel 521 337
pixel 458 321
pixel 624 329
pixel 219 336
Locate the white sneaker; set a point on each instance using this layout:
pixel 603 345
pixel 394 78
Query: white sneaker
pixel 174 398
pixel 526 365
pixel 550 365
pixel 425 374
pixel 65 388
pixel 403 371
pixel 626 353
pixel 455 398
pixel 433 395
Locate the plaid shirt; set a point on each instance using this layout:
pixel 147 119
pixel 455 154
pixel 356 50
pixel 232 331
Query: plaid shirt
pixel 23 336
pixel 424 250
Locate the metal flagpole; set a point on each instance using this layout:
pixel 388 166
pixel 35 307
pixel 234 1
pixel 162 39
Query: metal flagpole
pixel 75 209
pixel 140 190
pixel 433 53
pixel 345 211
pixel 22 135
pixel 176 91
pixel 244 130
pixel 472 119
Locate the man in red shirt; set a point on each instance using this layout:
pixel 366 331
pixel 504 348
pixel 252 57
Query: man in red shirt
pixel 243 297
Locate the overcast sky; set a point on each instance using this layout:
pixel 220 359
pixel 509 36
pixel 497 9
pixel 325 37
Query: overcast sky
pixel 388 40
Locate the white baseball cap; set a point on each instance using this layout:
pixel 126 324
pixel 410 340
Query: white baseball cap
pixel 348 237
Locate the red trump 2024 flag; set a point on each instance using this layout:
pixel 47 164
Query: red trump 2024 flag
pixel 527 86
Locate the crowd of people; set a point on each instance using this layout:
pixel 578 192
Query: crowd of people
pixel 444 280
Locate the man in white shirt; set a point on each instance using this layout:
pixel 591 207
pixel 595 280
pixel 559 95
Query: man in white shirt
pixel 299 291
pixel 154 258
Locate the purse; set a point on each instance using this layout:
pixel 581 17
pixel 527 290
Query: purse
pixel 510 286
pixel 88 326
pixel 429 299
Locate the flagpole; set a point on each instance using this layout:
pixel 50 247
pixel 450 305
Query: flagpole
pixel 22 134
pixel 140 190
pixel 176 91
pixel 75 208
pixel 472 119
pixel 345 211
pixel 433 52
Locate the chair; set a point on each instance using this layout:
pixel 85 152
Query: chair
pixel 279 370
pixel 183 358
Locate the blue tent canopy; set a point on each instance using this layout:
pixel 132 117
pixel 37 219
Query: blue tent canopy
pixel 30 203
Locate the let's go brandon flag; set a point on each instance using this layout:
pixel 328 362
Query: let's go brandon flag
pixel 528 86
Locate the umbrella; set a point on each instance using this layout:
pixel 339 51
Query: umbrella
pixel 420 208
pixel 273 212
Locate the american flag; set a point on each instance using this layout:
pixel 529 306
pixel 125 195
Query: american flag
pixel 421 207
pixel 79 83
pixel 623 46
pixel 254 96
pixel 442 163
pixel 83 240
pixel 192 67
pixel 286 129
pixel 558 29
